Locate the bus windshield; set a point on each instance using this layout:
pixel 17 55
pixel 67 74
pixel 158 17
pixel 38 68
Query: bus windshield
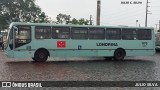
pixel 21 36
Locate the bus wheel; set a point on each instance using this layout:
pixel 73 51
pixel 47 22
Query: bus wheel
pixel 41 55
pixel 119 54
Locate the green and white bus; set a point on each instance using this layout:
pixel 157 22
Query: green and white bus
pixel 40 41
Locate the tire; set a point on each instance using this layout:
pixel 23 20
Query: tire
pixel 40 55
pixel 119 54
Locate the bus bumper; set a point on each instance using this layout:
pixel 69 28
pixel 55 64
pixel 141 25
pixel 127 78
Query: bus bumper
pixel 9 54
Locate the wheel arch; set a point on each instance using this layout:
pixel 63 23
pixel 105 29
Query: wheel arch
pixel 121 49
pixel 44 50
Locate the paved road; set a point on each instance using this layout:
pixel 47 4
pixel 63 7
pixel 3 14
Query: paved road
pixel 90 69
pixel 82 69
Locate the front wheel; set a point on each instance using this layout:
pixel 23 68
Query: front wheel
pixel 119 54
pixel 40 56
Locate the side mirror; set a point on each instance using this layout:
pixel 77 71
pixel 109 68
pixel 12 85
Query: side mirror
pixel 15 29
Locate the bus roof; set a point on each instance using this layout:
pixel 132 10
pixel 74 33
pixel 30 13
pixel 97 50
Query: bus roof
pixel 72 25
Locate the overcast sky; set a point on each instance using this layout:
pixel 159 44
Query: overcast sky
pixel 112 11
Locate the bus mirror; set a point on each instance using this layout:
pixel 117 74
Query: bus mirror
pixel 15 29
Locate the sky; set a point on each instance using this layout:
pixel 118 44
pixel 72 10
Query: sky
pixel 113 12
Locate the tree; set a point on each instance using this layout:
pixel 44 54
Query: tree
pixel 63 18
pixel 43 18
pixel 20 11
pixel 74 21
pixel 66 19
pixel 82 21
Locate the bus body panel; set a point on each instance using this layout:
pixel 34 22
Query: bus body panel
pixel 132 48
pixel 78 48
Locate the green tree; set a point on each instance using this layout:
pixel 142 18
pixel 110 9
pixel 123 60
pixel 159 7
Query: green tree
pixel 66 19
pixel 82 21
pixel 74 21
pixel 43 18
pixel 20 11
pixel 63 18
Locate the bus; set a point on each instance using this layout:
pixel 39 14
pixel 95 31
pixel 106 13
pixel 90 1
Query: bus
pixel 40 41
pixel 158 41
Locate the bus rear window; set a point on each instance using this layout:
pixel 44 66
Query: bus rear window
pixel 144 34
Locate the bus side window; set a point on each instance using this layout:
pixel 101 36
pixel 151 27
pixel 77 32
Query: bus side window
pixel 42 32
pixel 113 33
pixel 96 33
pixel 79 33
pixel 129 34
pixel 60 32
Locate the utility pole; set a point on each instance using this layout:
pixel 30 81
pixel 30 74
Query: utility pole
pixel 91 21
pixel 147 13
pixel 98 11
pixel 159 25
pixel 156 26
pixel 136 22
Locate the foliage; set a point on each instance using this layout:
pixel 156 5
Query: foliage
pixel 66 19
pixel 82 21
pixel 20 11
pixel 63 18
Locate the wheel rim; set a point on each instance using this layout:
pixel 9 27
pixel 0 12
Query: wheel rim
pixel 41 55
pixel 119 54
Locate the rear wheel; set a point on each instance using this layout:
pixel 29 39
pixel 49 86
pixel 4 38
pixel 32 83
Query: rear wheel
pixel 119 54
pixel 40 55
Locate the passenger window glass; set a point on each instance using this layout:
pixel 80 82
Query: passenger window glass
pixel 79 33
pixel 42 32
pixel 113 33
pixel 96 33
pixel 129 34
pixel 60 32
